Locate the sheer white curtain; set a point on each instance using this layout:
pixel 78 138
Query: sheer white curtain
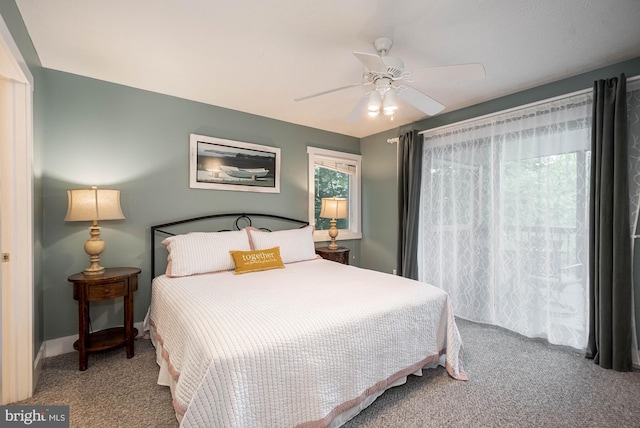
pixel 504 218
pixel 633 112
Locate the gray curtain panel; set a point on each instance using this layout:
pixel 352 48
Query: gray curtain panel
pixel 610 269
pixel 409 179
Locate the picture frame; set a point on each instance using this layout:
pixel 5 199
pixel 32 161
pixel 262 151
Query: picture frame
pixel 220 164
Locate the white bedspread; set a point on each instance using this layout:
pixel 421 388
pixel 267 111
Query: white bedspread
pixel 295 346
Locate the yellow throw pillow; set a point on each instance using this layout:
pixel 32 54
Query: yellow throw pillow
pixel 253 261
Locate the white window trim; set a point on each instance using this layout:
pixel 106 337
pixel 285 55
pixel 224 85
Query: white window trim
pixel 355 216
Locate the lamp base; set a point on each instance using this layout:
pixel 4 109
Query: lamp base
pixel 94 247
pixel 333 233
pixel 91 271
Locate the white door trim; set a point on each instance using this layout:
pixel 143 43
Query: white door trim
pixel 16 221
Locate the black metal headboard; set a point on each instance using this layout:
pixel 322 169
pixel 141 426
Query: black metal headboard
pixel 241 221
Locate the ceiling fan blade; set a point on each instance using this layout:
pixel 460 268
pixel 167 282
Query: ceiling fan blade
pixel 328 91
pixel 450 72
pixel 360 108
pixel 371 62
pixel 420 100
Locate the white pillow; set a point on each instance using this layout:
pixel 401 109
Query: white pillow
pixel 203 252
pixel 295 244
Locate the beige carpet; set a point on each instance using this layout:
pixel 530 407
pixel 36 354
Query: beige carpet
pixel 514 382
pixel 112 392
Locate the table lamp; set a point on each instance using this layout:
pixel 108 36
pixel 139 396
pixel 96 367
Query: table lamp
pixel 92 205
pixel 334 208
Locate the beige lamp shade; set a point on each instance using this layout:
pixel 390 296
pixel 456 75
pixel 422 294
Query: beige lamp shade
pixel 334 208
pixel 92 205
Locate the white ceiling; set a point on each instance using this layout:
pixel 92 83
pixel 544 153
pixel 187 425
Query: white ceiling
pixel 258 56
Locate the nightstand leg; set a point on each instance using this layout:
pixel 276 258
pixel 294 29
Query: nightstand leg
pixel 83 327
pixel 128 317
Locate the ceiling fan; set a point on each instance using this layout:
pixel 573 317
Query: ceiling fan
pixel 387 73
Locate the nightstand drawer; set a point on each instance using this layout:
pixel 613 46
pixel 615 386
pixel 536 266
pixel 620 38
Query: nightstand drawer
pixel 107 291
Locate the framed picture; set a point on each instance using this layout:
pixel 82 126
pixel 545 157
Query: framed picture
pixel 220 164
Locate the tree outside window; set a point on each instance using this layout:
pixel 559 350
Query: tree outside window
pixel 329 183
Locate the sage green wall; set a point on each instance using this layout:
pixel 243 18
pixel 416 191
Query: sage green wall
pixel 379 244
pixel 379 202
pixel 138 141
pixel 12 18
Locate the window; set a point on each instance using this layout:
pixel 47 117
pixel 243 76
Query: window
pixel 333 173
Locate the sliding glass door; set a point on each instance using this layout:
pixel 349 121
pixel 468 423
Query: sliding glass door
pixel 504 218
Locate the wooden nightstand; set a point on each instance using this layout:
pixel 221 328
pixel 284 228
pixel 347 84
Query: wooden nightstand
pixel 115 282
pixel 340 255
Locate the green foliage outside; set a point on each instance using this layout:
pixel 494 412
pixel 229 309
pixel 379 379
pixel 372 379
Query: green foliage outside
pixel 546 191
pixel 329 183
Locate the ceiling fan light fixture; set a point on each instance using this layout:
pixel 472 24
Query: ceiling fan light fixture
pixel 388 111
pixel 390 104
pixel 375 102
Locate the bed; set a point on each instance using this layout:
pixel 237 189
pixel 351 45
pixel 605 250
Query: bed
pixel 253 329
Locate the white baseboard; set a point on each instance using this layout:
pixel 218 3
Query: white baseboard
pixel 59 346
pixel 38 364
pixel 64 345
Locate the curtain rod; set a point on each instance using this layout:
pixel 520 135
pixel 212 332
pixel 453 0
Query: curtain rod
pixel 510 110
